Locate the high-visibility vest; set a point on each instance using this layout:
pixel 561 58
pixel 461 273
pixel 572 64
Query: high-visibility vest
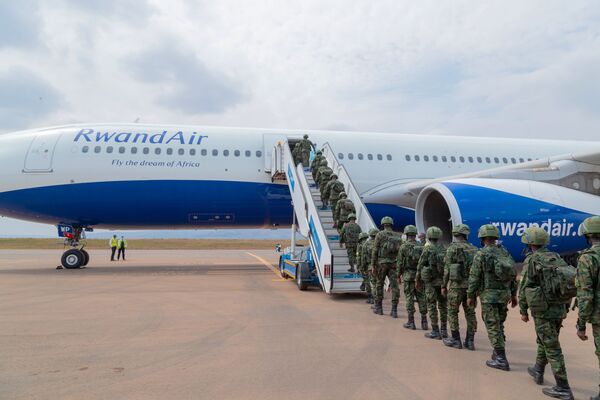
pixel 113 242
pixel 124 242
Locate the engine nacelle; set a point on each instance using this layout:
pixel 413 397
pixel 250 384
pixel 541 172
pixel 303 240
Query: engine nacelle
pixel 511 205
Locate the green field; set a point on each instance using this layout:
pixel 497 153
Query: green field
pixel 149 244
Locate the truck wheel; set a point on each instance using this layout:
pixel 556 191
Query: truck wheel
pixel 72 259
pixel 301 285
pixel 281 271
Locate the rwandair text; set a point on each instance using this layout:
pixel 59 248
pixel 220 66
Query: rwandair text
pixel 166 137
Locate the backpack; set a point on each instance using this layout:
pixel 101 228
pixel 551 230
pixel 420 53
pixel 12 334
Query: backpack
pixel 414 254
pixel 390 246
pixel 463 258
pixel 435 260
pixel 557 278
pixel 501 265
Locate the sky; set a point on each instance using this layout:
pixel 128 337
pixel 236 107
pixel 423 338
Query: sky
pixel 487 68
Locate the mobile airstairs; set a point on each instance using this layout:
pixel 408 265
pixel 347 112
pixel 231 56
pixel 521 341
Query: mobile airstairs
pixel 316 224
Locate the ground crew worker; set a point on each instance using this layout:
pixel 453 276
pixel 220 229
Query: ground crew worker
pixel 457 265
pixel 430 270
pixel 113 242
pixel 122 245
pixel 362 239
pixel 318 173
pixel 306 147
pixel 296 154
pixel 331 193
pixel 349 237
pixel 369 280
pixel 588 284
pixel 316 164
pixel 324 177
pixel 548 315
pixel 408 259
pixel 383 264
pixel 345 207
pixel 493 278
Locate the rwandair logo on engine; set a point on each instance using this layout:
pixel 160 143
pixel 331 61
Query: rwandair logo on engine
pixel 166 137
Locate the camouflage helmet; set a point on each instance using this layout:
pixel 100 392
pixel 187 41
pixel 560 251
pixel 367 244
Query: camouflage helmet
pixel 319 153
pixel 410 230
pixel 434 232
pixel 351 216
pixel 363 235
pixel 488 230
pixel 461 229
pixel 534 235
pixel 373 232
pixel 323 162
pixel 334 176
pixel 590 226
pixel 343 195
pixel 387 221
pixel 305 136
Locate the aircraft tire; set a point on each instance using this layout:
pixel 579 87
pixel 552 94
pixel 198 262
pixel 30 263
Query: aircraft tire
pixel 86 257
pixel 72 259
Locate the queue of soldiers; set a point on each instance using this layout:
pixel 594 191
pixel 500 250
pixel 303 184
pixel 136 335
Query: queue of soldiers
pixel 442 280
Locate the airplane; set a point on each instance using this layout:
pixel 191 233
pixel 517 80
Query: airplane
pixel 133 176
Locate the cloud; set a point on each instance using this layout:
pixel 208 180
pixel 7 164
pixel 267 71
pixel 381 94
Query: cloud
pixel 25 97
pixel 185 82
pixel 20 24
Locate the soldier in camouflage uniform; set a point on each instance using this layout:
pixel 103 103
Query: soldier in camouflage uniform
pixel 457 265
pixel 383 264
pixel 331 193
pixel 547 318
pixel 408 259
pixel 316 164
pixel 588 284
pixel 324 177
pixel 344 208
pixel 296 154
pixel 370 281
pixel 430 271
pixel 494 290
pixel 306 147
pixel 360 250
pixel 320 168
pixel 349 237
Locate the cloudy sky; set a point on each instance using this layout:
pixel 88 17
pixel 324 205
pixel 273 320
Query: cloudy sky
pixel 506 68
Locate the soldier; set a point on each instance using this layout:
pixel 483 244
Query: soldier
pixel 493 277
pixel 540 268
pixel 430 272
pixel 383 264
pixel 360 250
pixel 345 207
pixel 349 237
pixel 408 259
pixel 306 147
pixel 367 252
pixel 457 265
pixel 332 191
pixel 588 284
pixel 324 177
pixel 296 153
pixel 319 169
pixel 316 164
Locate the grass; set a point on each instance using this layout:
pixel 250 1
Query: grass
pixel 149 244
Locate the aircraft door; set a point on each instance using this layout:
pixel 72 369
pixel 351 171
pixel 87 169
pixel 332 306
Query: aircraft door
pixel 41 153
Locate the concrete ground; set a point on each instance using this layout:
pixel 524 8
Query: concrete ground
pixel 224 325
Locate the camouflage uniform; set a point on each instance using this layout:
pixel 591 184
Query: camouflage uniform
pixel 385 266
pixel 494 295
pixel 331 193
pixel 430 271
pixel 305 149
pixel 408 259
pixel 547 323
pixel 360 250
pixel 316 164
pixel 344 208
pixel 349 237
pixel 368 278
pixel 459 256
pixel 318 168
pixel 296 154
pixel 324 177
pixel 588 293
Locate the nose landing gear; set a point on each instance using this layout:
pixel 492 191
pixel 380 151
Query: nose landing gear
pixel 76 256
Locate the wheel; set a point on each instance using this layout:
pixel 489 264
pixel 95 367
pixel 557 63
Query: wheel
pixel 301 285
pixel 72 259
pixel 86 257
pixel 281 271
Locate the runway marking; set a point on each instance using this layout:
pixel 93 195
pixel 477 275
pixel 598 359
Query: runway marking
pixel 268 265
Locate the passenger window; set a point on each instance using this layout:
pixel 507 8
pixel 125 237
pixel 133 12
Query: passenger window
pixel 479 160
pixel 435 158
pixel 360 156
pixel 504 160
pixel 181 152
pixel 496 160
pixel 350 156
pixel 426 158
pixel 513 160
pixel 407 157
pixel 488 160
pixel 379 157
pixel 248 153
pixel 157 151
pixel 203 152
pixel 529 159
pixel 341 156
pixel 109 149
pixel 258 153
pixel 146 150
pixel 192 152
pixel 471 159
pixel 444 158
pixel 236 153
pixel 169 151
pixel 134 150
pixel 97 149
pixel 453 159
pixel 85 149
pixel 370 157
pixel 417 158
pixel 462 159
pixel 215 152
pixel 389 157
pixel 121 150
pixel 226 153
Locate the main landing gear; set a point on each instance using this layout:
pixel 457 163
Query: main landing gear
pixel 76 256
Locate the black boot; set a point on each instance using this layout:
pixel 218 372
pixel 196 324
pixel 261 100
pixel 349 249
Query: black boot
pixel 596 397
pixel 454 341
pixel 351 268
pixel 424 324
pixel 562 390
pixel 470 341
pixel 362 287
pixel 410 324
pixel 444 331
pixel 378 308
pixel 500 362
pixel 537 372
pixel 369 299
pixel 394 312
pixel 434 334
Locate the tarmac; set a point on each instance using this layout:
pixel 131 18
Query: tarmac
pixel 224 325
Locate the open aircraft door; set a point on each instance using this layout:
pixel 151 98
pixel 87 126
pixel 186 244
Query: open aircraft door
pixel 41 153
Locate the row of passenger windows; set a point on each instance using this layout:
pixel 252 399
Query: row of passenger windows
pixel 361 156
pixel 426 158
pixel 170 151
